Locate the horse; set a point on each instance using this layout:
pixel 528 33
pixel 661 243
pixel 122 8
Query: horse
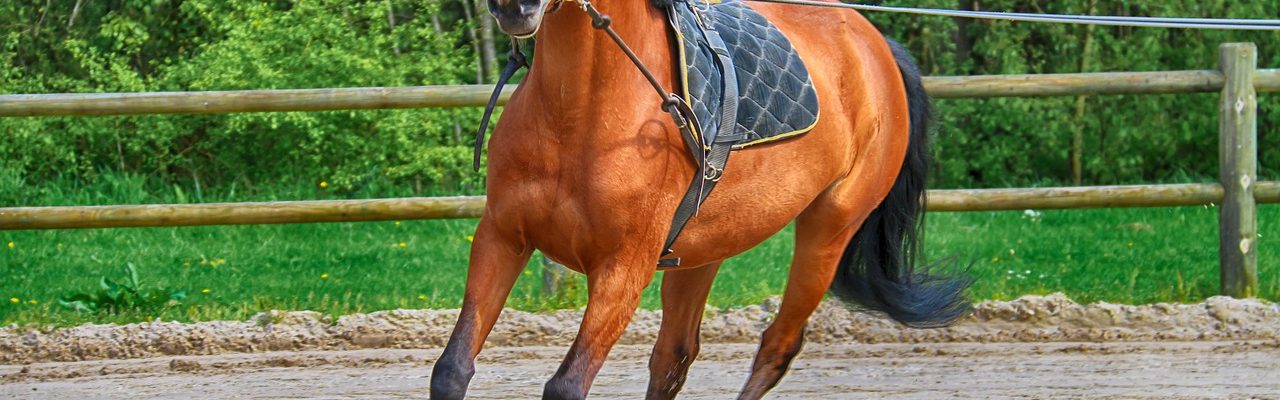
pixel 587 168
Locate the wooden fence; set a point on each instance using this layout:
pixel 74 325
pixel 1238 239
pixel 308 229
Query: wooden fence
pixel 1237 191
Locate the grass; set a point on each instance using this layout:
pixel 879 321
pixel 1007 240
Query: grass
pixel 232 272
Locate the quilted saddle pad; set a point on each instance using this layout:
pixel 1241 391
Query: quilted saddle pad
pixel 776 97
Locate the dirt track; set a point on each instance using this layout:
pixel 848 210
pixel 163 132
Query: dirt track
pixel 1033 347
pixel 938 370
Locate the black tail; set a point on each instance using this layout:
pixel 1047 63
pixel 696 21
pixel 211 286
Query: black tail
pixel 878 268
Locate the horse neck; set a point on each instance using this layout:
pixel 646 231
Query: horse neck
pixel 578 66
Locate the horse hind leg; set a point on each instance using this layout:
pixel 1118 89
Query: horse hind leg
pixel 684 297
pixel 818 247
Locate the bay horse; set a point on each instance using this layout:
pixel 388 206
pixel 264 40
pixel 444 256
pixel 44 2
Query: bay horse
pixel 585 166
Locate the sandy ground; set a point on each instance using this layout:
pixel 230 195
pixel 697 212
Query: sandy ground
pixel 1032 347
pixel 926 371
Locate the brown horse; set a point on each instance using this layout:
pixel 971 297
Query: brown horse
pixel 586 167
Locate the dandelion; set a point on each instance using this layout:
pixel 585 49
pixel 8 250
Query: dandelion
pixel 15 300
pixel 471 238
pixel 397 223
pixel 186 264
pixel 422 297
pixel 32 302
pixel 324 184
pixel 995 259
pixel 205 291
pixel 11 245
pixel 402 245
pixel 324 276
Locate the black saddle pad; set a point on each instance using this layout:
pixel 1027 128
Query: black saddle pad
pixel 776 95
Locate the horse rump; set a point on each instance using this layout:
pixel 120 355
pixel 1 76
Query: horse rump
pixel 878 270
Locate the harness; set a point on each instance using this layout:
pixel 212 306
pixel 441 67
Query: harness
pixel 710 150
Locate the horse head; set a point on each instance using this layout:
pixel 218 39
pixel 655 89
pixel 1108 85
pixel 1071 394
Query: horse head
pixel 520 18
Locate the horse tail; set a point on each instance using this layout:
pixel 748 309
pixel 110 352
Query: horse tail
pixel 878 270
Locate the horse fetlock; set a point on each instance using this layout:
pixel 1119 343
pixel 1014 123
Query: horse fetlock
pixel 564 388
pixel 451 376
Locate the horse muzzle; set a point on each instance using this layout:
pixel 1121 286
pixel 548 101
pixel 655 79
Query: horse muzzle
pixel 519 18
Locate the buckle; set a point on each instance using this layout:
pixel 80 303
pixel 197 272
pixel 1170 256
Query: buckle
pixel 711 173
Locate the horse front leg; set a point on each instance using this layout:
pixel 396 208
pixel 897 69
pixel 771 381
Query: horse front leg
pixel 496 261
pixel 684 297
pixel 613 293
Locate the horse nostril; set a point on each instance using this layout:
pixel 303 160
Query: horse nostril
pixel 530 6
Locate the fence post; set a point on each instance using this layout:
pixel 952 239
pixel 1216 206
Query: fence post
pixel 1238 171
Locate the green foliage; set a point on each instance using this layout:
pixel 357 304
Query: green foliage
pixel 115 298
pixel 183 45
pixel 1127 139
pixel 172 45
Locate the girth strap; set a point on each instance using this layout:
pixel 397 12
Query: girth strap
pixel 713 160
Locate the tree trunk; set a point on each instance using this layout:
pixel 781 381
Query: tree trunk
pixel 489 53
pixel 391 27
pixel 1077 135
pixel 475 41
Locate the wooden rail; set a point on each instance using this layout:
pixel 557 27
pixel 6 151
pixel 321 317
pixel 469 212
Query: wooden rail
pixel 276 212
pixel 215 102
pixel 289 212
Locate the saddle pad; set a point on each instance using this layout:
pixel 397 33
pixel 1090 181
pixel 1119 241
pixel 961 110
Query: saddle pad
pixel 776 95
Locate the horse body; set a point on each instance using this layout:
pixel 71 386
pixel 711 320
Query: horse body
pixel 576 160
pixel 587 168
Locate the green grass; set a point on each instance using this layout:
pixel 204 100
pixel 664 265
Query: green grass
pixel 1123 255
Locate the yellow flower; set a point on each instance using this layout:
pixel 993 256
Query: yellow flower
pixel 324 276
pixel 995 259
pixel 204 290
pixel 32 302
pixel 422 297
pixel 10 245
pixel 186 264
pixel 471 238
pixel 15 300
pixel 397 223
pixel 324 184
pixel 402 244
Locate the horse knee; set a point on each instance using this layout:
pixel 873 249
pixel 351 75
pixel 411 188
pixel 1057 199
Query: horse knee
pixel 450 377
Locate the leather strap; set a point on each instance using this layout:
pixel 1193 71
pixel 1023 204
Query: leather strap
pixel 515 61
